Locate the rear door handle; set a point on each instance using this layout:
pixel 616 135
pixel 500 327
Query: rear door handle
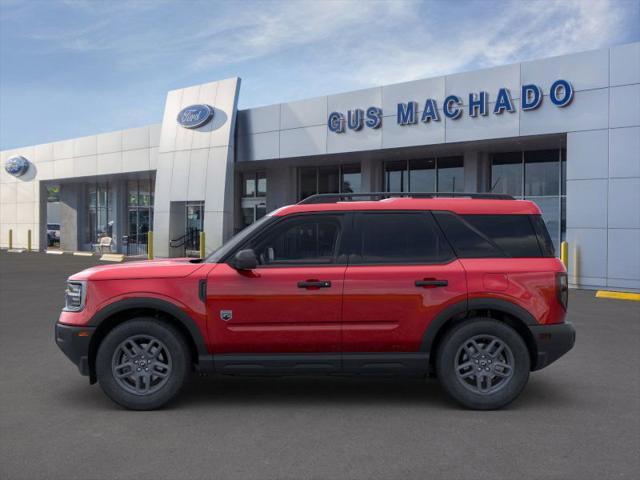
pixel 426 283
pixel 313 284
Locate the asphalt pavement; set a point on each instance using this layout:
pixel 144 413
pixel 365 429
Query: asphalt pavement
pixel 577 419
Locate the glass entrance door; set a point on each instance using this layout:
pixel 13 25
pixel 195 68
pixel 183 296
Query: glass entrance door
pixel 194 225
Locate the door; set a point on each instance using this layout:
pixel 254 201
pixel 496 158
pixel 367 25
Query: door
pixel 401 274
pixel 193 226
pixel 291 303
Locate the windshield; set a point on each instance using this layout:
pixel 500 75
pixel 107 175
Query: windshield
pixel 236 240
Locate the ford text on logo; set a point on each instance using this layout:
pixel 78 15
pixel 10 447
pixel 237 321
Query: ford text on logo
pixel 17 166
pixel 560 95
pixel 195 116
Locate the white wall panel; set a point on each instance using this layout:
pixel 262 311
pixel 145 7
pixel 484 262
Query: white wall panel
pixel 135 138
pixel 305 113
pixel 197 174
pixel 135 160
pixel 585 71
pixel 110 163
pixel 587 203
pixel 43 153
pixel 624 152
pixel 154 135
pixel 588 247
pixel 357 99
pixel 110 142
pixel 468 128
pixel 587 154
pixel 63 149
pixel 625 64
pixel 625 106
pixel 258 120
pixel 63 168
pixel 489 80
pixel 85 146
pixel 624 202
pixel 259 146
pixel 303 141
pixel 624 254
pixel 85 166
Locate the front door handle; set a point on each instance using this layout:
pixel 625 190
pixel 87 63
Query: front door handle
pixel 313 284
pixel 431 283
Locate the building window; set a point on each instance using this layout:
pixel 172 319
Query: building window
pixel 507 173
pixel 444 174
pixel 254 184
pixel 537 175
pixel 139 215
pixel 100 212
pixel 329 179
pixel 253 202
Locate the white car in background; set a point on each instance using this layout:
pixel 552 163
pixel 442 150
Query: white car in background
pixel 53 233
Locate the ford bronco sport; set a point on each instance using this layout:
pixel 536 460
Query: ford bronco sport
pixel 465 287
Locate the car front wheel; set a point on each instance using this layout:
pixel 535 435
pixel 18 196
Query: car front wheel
pixel 483 364
pixel 142 363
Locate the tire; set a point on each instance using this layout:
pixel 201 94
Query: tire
pixel 504 364
pixel 142 363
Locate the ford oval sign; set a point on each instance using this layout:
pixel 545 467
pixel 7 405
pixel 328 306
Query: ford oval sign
pixel 17 166
pixel 195 116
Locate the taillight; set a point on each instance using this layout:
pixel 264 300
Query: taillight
pixel 562 289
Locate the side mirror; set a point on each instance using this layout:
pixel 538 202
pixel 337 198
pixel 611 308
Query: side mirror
pixel 245 260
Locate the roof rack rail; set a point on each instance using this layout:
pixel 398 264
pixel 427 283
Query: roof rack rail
pixel 354 197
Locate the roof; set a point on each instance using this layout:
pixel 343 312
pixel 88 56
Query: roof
pixel 459 205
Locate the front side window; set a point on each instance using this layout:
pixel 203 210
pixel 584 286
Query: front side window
pixel 399 238
pixel 300 241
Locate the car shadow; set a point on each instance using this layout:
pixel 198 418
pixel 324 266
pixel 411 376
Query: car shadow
pixel 226 391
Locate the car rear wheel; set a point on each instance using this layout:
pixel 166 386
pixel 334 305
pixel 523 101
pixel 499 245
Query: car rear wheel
pixel 483 364
pixel 142 364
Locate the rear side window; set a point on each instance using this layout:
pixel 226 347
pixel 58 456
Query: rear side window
pixel 399 238
pixel 495 236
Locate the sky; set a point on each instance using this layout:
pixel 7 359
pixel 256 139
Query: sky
pixel 70 68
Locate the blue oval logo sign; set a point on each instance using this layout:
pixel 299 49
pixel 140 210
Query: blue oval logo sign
pixel 195 116
pixel 16 166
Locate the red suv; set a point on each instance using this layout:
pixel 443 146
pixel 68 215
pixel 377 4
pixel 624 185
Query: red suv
pixel 467 289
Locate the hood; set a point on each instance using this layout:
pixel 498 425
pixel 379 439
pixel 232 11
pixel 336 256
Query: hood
pixel 165 268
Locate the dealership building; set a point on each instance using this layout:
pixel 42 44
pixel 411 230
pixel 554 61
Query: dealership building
pixel 563 132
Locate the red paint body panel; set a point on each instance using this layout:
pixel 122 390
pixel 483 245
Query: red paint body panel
pixel 271 314
pixel 167 268
pixel 384 311
pixel 181 291
pixel 531 284
pixel 461 205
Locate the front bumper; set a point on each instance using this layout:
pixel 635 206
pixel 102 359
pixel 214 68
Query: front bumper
pixel 74 343
pixel 552 342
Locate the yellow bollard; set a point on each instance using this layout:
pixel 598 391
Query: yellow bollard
pixel 201 244
pixel 150 245
pixel 10 239
pixel 29 240
pixel 564 254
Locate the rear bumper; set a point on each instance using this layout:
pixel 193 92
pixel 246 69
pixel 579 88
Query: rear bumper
pixel 552 342
pixel 74 343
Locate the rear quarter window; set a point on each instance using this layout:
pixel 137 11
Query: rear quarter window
pixel 496 236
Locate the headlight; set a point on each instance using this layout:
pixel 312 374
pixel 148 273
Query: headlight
pixel 74 296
